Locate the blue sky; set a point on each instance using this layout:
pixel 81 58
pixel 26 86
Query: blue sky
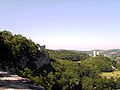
pixel 64 24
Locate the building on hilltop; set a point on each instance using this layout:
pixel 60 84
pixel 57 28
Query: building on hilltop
pixel 41 48
pixel 96 53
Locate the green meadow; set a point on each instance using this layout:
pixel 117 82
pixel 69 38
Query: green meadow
pixel 114 74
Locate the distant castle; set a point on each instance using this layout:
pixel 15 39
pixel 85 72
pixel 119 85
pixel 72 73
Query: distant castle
pixel 96 53
pixel 41 48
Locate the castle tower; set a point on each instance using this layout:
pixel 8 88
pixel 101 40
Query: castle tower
pixel 94 53
pixel 98 53
pixel 41 48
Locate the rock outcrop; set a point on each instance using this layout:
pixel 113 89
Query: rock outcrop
pixel 10 81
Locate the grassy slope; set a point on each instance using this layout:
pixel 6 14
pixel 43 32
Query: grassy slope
pixel 114 74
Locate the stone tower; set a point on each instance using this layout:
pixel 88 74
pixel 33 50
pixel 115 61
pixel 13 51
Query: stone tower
pixel 95 53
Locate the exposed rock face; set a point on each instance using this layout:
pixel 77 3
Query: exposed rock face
pixel 40 61
pixel 23 61
pixel 10 81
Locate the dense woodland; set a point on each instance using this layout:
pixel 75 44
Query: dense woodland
pixel 57 69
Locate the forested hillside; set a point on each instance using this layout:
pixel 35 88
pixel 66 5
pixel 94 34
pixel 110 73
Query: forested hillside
pixel 55 69
pixel 67 55
pixel 18 52
pixel 112 53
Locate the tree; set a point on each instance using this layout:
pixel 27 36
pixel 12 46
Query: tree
pixel 100 63
pixel 87 83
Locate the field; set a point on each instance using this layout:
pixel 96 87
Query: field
pixel 114 74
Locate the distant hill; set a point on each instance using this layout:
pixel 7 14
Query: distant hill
pixel 68 55
pixel 112 53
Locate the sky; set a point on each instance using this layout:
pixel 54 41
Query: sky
pixel 64 24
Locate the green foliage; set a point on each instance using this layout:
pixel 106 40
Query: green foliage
pixel 27 72
pixel 118 83
pixel 64 72
pixel 118 66
pixel 67 73
pixel 87 83
pixel 67 55
pixel 105 84
pixel 100 63
pixel 17 51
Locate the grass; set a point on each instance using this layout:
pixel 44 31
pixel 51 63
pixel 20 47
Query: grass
pixel 114 74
